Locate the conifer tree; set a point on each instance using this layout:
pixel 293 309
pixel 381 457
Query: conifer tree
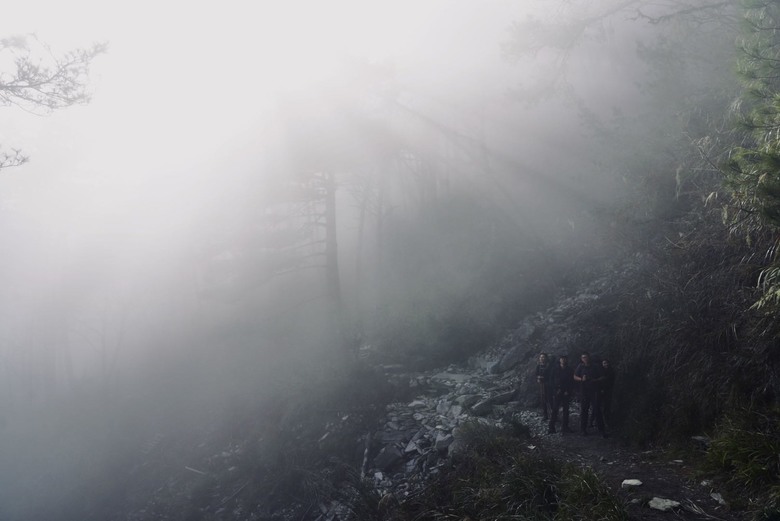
pixel 754 169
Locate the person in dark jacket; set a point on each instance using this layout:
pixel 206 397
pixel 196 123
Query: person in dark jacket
pixel 605 392
pixel 543 381
pixel 589 376
pixel 562 376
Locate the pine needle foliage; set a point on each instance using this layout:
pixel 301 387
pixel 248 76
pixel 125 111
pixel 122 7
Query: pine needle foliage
pixel 753 173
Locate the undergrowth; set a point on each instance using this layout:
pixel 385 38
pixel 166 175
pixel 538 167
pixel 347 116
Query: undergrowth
pixel 746 450
pixel 498 476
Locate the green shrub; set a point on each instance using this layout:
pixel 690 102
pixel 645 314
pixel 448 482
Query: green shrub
pixel 582 495
pixel 498 477
pixel 745 449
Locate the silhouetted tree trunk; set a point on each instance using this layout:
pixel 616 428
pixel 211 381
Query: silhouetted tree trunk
pixel 331 242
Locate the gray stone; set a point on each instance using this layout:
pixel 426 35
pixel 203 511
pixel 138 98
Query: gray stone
pixel 451 377
pixel 503 398
pixel 443 441
pixel 443 407
pixel 510 359
pixel 431 459
pixel 392 436
pixel 662 504
pixel 467 400
pixel 482 408
pixel 387 457
pixel 411 447
pixel 419 434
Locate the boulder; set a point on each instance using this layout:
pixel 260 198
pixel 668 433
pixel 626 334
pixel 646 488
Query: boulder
pixel 663 504
pixel 443 441
pixel 482 408
pixel 503 398
pixel 467 400
pixel 443 407
pixel 510 359
pixel 387 457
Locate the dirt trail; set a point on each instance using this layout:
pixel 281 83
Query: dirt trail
pixel 660 476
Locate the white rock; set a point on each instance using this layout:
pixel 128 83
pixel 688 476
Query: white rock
pixel 717 497
pixel 629 483
pixel 663 504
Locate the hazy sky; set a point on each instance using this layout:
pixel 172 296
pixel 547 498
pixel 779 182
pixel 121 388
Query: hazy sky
pixel 186 85
pixel 182 108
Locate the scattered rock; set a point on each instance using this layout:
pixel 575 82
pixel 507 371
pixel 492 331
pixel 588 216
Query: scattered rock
pixel 717 497
pixel 443 441
pixel 387 457
pixel 630 483
pixel 482 408
pixel 663 504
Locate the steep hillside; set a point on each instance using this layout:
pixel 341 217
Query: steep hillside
pixel 694 369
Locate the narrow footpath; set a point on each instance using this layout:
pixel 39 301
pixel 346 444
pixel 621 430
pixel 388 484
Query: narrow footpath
pixel 416 438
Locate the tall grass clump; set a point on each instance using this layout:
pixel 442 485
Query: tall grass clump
pixel 746 449
pixel 498 476
pixel 582 496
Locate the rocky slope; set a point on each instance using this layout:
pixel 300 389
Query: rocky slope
pixel 258 471
pixel 415 438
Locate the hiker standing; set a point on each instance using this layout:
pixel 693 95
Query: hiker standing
pixel 543 381
pixel 589 376
pixel 562 376
pixel 605 393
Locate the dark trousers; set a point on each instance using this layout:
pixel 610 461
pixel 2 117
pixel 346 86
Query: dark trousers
pixel 560 400
pixel 545 398
pixel 605 404
pixel 589 401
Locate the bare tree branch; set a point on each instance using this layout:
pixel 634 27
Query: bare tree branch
pixel 41 81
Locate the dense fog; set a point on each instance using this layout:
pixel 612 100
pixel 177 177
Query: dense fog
pixel 260 189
